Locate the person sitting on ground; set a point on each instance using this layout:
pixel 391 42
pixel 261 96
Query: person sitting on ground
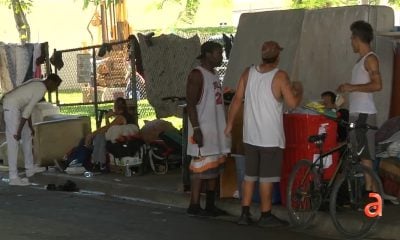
pixel 329 101
pixel 97 138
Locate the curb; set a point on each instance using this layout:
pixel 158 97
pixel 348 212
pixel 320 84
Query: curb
pixel 130 190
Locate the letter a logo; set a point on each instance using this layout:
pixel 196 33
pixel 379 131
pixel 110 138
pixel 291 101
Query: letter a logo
pixel 374 209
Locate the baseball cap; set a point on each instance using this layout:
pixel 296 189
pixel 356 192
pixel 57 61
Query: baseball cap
pixel 270 49
pixel 208 47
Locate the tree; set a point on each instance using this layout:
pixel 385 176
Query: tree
pixel 20 7
pixel 98 2
pixel 186 15
pixel 310 4
pixel 189 11
pixel 394 2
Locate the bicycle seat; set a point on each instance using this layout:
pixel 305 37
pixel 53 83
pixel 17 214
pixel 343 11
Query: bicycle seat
pixel 317 138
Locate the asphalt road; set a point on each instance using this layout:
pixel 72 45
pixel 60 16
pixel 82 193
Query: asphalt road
pixel 34 213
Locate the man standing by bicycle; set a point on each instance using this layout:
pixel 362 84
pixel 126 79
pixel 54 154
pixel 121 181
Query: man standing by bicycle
pixel 263 88
pixel 365 80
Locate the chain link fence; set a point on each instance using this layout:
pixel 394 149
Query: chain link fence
pixel 94 76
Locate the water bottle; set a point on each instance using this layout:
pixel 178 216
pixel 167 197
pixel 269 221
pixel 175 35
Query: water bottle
pixel 88 174
pixel 128 171
pixel 6 180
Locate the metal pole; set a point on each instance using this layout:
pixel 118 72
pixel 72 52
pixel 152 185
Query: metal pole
pixel 95 88
pixel 133 80
pixel 104 31
pixel 48 68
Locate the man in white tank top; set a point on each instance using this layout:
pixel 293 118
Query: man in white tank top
pixel 264 88
pixel 365 80
pixel 207 143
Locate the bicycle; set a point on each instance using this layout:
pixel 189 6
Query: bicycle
pixel 307 191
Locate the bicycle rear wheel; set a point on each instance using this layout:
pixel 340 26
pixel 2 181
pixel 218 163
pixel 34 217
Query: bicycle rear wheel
pixel 348 200
pixel 303 195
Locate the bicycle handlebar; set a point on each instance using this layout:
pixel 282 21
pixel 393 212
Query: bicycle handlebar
pixel 173 98
pixel 347 124
pixel 351 125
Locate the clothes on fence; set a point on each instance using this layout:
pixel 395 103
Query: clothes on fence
pixel 5 80
pixel 161 69
pixel 37 52
pixel 18 64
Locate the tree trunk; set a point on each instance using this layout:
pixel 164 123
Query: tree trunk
pixel 21 22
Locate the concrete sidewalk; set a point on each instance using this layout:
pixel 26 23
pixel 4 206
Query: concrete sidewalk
pixel 167 189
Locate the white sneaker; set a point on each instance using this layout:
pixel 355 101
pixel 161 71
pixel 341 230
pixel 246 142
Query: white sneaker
pixel 19 182
pixel 34 170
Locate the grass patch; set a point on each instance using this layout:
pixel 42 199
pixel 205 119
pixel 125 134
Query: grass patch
pixel 145 110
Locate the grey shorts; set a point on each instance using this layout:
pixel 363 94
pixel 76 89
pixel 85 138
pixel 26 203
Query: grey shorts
pixel 363 139
pixel 263 163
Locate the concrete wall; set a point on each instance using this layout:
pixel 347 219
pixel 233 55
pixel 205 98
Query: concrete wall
pixel 317 47
pixel 254 28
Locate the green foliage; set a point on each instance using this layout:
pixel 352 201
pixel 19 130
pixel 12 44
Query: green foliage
pixel 86 3
pixel 311 4
pixel 191 7
pixel 189 11
pixel 394 2
pixel 26 5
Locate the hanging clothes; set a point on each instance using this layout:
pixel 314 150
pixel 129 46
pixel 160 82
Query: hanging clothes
pixel 19 59
pixel 24 60
pixel 37 52
pixel 5 81
pixel 20 63
pixel 11 59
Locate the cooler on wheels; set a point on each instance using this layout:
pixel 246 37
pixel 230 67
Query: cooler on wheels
pixel 298 128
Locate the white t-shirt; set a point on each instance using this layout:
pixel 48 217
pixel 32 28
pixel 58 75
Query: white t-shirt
pixel 25 97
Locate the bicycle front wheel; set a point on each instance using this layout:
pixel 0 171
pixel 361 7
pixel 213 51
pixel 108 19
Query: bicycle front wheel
pixel 303 194
pixel 349 199
pixel 158 162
